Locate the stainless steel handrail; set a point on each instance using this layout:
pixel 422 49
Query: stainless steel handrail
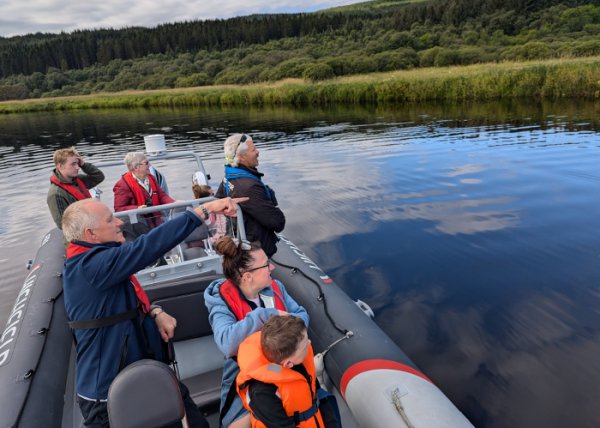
pixel 132 214
pixel 152 157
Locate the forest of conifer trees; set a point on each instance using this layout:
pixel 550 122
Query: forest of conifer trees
pixel 365 38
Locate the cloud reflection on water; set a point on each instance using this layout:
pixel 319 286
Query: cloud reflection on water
pixel 502 378
pixel 458 216
pixel 344 170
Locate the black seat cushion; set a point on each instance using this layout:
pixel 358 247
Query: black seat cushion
pixel 144 394
pixel 191 314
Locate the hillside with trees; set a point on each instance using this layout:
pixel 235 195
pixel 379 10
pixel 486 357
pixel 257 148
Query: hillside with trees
pixel 376 36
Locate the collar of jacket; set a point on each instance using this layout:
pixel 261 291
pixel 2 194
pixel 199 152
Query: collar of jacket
pixel 60 177
pixel 252 171
pixel 101 244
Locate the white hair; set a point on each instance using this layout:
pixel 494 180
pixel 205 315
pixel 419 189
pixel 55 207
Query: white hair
pixel 234 147
pixel 133 159
pixel 77 218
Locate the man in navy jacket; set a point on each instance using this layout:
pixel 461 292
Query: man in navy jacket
pixel 108 310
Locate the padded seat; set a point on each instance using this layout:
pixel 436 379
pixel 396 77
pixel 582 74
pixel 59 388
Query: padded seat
pixel 191 253
pixel 190 312
pixel 200 361
pixel 144 394
pixel 205 388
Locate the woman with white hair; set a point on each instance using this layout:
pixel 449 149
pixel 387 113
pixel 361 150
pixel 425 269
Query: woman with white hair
pixel 137 188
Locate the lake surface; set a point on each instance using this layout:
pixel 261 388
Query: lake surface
pixel 473 231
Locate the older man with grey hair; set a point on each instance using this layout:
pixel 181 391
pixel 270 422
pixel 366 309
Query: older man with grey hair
pixel 262 216
pixel 111 317
pixel 139 189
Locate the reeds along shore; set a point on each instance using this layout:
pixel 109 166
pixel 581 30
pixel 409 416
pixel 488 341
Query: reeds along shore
pixel 576 78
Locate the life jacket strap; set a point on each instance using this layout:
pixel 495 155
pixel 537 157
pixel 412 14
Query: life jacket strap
pixel 307 414
pixel 105 321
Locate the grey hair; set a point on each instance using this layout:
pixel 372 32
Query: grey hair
pixel 77 218
pixel 133 159
pixel 233 148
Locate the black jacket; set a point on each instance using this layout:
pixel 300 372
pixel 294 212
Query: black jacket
pixel 262 217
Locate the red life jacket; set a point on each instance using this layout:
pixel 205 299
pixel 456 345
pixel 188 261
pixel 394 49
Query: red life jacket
pixel 143 301
pixel 72 189
pixel 239 306
pixel 138 190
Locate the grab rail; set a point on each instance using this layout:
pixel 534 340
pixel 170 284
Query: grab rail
pixel 133 219
pixel 167 155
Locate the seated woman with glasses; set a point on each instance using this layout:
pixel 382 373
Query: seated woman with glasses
pixel 137 188
pixel 238 306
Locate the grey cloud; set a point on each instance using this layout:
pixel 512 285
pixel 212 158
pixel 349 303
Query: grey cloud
pixel 59 15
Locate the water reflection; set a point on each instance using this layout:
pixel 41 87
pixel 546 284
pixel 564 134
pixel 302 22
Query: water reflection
pixel 472 230
pixel 530 367
pixel 461 216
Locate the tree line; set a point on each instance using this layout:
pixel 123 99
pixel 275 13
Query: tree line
pixel 370 37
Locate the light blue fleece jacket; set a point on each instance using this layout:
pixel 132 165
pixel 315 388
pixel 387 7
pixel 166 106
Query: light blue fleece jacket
pixel 229 333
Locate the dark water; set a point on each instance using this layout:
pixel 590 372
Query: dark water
pixel 473 231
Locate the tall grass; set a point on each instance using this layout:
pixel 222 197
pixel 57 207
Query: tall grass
pixel 577 78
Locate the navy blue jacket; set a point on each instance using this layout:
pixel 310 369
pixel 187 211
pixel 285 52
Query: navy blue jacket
pixel 96 285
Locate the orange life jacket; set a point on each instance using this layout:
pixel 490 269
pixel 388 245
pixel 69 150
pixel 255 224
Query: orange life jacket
pixel 239 306
pixel 297 395
pixel 78 193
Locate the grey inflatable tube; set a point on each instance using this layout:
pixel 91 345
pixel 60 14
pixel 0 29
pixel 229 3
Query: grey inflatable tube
pixel 332 313
pixel 35 345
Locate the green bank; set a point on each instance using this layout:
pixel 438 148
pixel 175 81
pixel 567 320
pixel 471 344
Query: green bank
pixel 551 79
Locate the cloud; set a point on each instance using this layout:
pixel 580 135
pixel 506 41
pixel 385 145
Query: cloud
pixel 59 15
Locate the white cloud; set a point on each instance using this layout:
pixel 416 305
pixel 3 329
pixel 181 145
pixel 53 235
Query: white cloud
pixel 33 16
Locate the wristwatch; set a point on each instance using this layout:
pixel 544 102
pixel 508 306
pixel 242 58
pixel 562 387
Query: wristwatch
pixel 160 310
pixel 205 212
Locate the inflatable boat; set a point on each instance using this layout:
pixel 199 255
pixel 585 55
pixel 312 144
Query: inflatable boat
pixel 376 384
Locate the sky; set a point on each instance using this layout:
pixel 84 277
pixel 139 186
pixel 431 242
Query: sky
pixel 19 17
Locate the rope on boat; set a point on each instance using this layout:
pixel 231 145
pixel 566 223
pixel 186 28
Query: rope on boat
pixel 321 297
pixel 400 408
pixel 348 335
pixel 320 361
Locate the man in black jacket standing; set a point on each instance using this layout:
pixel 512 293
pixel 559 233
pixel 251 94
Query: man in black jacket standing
pixel 262 216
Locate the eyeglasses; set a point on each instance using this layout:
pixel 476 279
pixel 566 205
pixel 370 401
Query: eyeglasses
pixel 144 163
pixel 260 267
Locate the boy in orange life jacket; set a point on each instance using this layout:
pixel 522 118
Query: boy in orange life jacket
pixel 277 379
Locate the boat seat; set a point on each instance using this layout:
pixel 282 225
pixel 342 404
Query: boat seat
pixel 200 365
pixel 205 388
pixel 199 361
pixel 134 401
pixel 190 312
pixel 198 235
pixel 191 253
